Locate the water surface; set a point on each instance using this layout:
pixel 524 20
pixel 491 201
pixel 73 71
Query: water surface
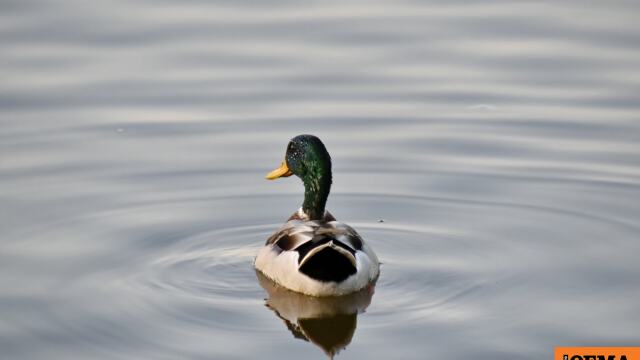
pixel 489 152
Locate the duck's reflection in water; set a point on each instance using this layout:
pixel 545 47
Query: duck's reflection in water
pixel 328 322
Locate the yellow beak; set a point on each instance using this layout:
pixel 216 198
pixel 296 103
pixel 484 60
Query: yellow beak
pixel 282 171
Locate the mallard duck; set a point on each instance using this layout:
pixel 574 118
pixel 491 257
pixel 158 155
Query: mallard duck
pixel 312 253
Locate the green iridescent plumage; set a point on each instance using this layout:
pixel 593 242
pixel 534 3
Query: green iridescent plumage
pixel 308 159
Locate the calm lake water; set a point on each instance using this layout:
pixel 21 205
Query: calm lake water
pixel 488 151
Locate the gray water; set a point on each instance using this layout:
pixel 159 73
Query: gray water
pixel 488 151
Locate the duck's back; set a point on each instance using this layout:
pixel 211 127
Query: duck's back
pixel 324 257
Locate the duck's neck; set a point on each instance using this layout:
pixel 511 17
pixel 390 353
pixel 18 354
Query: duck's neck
pixel 316 192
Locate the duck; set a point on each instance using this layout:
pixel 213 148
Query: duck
pixel 313 253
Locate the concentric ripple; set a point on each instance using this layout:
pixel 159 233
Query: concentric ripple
pixel 214 265
pixel 163 277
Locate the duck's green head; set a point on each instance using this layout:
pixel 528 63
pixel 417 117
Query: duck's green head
pixel 307 158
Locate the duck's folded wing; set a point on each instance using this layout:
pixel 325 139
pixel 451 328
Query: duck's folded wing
pixel 291 235
pixel 343 233
pixel 295 233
